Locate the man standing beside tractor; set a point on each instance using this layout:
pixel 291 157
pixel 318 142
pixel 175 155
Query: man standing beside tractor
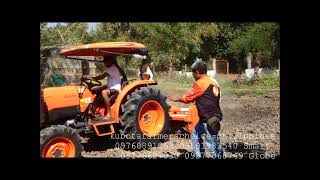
pixel 206 94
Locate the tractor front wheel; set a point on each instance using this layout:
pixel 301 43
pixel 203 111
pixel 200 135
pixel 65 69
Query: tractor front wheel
pixel 59 141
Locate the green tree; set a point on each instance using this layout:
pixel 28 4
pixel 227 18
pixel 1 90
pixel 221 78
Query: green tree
pixel 117 31
pixel 170 44
pixel 69 34
pixel 261 40
pixel 217 45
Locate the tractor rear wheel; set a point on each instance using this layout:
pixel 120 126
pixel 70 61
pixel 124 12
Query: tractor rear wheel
pixel 59 141
pixel 146 116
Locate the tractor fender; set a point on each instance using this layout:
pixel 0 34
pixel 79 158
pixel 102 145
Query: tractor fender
pixel 122 96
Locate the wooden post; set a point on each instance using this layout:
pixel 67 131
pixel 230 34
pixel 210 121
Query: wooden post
pixel 185 70
pixel 214 65
pixel 249 58
pixel 227 68
pixel 170 69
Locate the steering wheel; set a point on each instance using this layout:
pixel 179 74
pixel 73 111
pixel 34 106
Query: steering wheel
pixel 91 82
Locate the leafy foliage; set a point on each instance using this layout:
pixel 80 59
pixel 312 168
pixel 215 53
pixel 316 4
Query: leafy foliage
pixel 171 45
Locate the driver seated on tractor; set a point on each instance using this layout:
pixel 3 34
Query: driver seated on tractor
pixel 115 78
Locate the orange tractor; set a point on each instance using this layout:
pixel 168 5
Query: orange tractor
pixel 139 111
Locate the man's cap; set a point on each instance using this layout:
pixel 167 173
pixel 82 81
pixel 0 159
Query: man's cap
pixel 196 63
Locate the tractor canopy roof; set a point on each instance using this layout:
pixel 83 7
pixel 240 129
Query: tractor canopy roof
pixel 106 49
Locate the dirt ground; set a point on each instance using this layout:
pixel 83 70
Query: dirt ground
pixel 250 129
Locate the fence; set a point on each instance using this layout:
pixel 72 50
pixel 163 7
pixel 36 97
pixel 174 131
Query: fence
pixel 70 69
pixel 222 66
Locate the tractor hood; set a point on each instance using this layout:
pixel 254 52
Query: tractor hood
pixel 106 49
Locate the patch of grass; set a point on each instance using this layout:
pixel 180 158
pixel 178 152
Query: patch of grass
pixel 264 85
pixel 270 81
pixel 185 80
pixel 229 86
pixel 178 86
pixel 174 87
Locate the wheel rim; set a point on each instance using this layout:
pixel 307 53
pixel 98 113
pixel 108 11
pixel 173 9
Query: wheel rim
pixel 59 147
pixel 151 118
